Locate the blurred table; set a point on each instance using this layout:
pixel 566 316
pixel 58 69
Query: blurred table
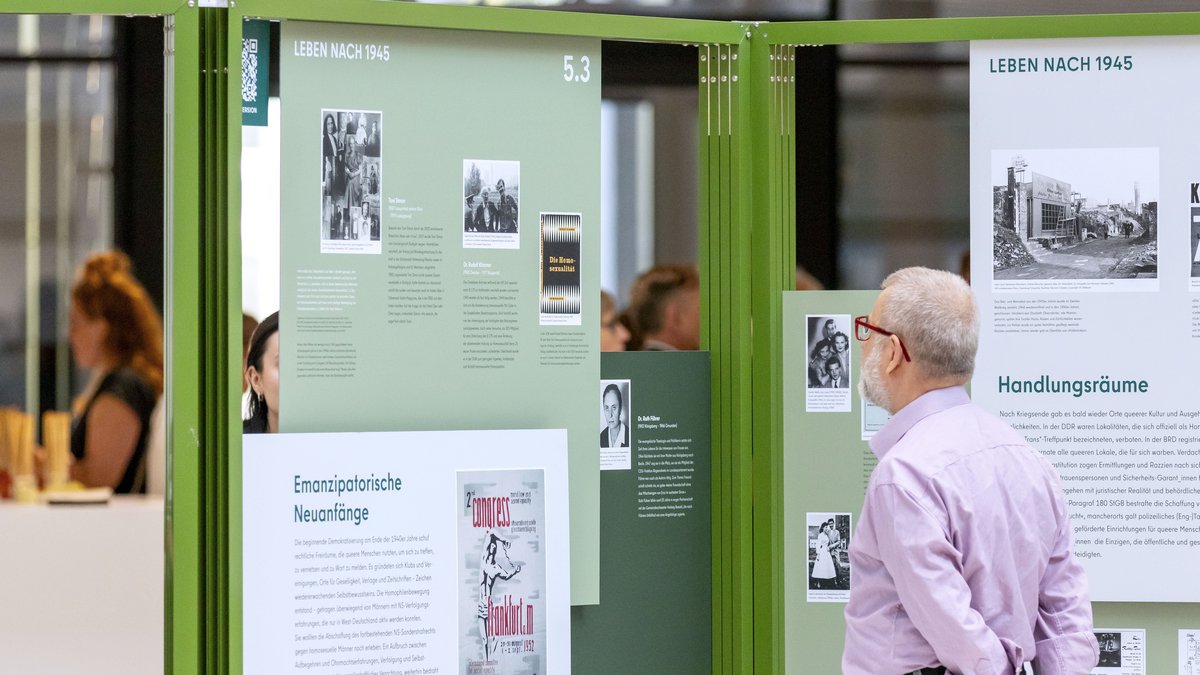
pixel 81 588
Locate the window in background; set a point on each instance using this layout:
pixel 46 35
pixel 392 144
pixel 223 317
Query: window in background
pixel 56 191
pixel 904 146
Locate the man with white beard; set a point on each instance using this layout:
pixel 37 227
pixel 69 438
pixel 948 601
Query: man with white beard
pixel 962 555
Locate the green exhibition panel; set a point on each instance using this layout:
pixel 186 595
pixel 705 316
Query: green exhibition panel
pixel 446 275
pixel 1069 208
pixel 826 463
pixel 439 272
pixel 655 531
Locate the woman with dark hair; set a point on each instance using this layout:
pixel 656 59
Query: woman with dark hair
pixel 262 370
pixel 116 334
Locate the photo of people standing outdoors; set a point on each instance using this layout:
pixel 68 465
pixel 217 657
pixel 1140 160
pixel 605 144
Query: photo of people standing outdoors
pixel 491 198
pixel 351 180
pixel 828 561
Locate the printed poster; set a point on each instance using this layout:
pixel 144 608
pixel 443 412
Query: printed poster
pixel 412 552
pixel 1122 651
pixel 502 590
pixel 560 290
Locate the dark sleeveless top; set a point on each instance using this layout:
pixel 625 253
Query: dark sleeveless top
pixel 131 389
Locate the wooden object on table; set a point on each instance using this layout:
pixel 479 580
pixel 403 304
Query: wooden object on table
pixel 56 437
pixel 20 444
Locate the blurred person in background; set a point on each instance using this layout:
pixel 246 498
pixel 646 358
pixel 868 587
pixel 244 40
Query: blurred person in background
pixel 262 370
pixel 664 304
pixel 805 281
pixel 116 334
pixel 613 334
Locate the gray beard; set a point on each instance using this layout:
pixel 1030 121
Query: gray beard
pixel 870 381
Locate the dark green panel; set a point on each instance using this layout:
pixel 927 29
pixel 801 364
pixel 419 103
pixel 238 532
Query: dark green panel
pixel 655 574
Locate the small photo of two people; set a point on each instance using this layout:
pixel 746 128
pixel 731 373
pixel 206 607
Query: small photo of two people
pixel 828 561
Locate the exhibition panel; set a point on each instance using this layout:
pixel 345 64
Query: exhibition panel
pixel 1065 267
pixel 655 610
pixel 358 556
pixel 400 313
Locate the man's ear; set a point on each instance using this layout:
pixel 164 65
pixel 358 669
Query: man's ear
pixel 897 356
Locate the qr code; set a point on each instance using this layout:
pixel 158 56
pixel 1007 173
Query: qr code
pixel 249 69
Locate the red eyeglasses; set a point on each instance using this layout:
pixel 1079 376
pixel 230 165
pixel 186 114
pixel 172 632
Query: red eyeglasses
pixel 862 331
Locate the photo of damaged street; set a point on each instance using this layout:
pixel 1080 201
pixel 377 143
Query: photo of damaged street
pixel 1075 214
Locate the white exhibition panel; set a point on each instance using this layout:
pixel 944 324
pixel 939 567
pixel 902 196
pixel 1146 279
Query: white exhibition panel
pixel 83 588
pixel 361 553
pixel 1083 238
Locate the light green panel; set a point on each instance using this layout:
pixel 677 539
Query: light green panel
pixel 774 252
pixel 498 19
pixel 823 471
pixel 186 617
pixel 989 28
pixel 725 254
pixel 399 356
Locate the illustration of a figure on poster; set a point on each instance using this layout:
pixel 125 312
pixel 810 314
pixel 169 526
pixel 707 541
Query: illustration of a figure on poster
pixel 351 180
pixel 502 584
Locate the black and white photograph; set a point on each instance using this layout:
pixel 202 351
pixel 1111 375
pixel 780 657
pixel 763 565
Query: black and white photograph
pixel 351 180
pixel 1061 217
pixel 828 376
pixel 1122 651
pixel 828 560
pixel 615 425
pixel 491 203
pixel 1110 650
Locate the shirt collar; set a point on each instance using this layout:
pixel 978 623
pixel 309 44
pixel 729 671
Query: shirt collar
pixel 926 404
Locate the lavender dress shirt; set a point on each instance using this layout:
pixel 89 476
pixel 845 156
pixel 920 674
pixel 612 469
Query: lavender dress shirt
pixel 962 554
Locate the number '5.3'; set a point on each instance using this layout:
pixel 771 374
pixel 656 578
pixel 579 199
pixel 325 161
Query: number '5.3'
pixel 569 73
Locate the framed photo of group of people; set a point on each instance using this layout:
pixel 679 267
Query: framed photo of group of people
pixel 351 180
